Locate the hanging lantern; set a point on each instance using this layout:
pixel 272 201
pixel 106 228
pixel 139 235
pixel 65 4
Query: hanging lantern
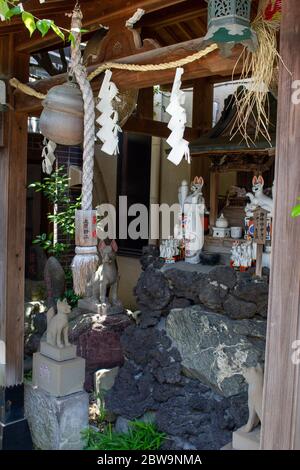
pixel 229 24
pixel 62 118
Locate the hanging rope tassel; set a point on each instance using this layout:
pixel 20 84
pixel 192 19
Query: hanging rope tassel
pixel 86 258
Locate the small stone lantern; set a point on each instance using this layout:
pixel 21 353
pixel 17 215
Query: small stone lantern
pixel 229 23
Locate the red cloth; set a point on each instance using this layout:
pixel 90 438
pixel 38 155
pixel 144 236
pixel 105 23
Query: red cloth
pixel 273 10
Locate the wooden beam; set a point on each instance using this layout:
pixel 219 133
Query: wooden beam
pixel 145 103
pixel 212 64
pixel 169 16
pixel 203 96
pixel 13 168
pixel 156 129
pixel 281 403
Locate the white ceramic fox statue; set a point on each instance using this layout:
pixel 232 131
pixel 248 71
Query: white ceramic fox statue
pixel 258 198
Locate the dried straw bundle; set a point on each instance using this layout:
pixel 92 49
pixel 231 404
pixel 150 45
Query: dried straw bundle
pixel 262 65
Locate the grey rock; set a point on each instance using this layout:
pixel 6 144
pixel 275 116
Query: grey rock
pixel 239 309
pixel 55 280
pixel 152 290
pixel 122 425
pixel 223 275
pixel 56 423
pixel 216 349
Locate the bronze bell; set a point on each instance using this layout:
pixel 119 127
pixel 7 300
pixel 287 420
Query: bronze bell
pixel 62 119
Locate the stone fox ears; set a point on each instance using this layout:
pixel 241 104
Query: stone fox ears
pixel 258 180
pixel 102 245
pixel 198 180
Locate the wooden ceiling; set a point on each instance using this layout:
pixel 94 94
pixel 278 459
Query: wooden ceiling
pixel 167 21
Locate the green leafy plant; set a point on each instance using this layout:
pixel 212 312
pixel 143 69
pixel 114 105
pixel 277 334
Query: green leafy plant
pixel 28 376
pixel 55 189
pixel 141 436
pixel 296 210
pixel 71 297
pixel 12 8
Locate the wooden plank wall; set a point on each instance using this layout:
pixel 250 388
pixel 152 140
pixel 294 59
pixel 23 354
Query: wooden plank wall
pixel 281 409
pixel 13 166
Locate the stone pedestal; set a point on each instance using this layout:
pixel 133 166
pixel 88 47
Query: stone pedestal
pixel 242 440
pixel 56 423
pixel 58 378
pixel 58 354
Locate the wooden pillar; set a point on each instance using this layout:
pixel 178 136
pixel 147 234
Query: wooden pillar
pixel 13 166
pixel 281 404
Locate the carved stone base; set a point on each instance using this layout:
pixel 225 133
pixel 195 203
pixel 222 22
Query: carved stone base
pixel 58 378
pixel 58 354
pixel 242 440
pixel 91 305
pixel 56 423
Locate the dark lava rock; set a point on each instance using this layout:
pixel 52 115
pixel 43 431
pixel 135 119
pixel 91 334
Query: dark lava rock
pixel 238 309
pixel 213 296
pixel 185 284
pixel 223 275
pixel 152 290
pixel 40 322
pixel 151 258
pixel 179 302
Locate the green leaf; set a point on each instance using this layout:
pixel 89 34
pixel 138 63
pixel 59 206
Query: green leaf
pixel 58 31
pixel 84 30
pixel 43 26
pixel 15 11
pixel 296 211
pixel 71 39
pixel 4 9
pixel 29 22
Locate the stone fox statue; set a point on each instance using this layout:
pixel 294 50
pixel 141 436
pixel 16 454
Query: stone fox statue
pixel 57 325
pixel 255 378
pixel 106 278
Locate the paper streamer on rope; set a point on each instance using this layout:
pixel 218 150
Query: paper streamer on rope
pixel 48 156
pixel 180 146
pixel 108 120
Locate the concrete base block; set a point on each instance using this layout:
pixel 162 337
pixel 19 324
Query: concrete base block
pixel 58 354
pixel 227 447
pixel 58 378
pixel 242 440
pixel 56 423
